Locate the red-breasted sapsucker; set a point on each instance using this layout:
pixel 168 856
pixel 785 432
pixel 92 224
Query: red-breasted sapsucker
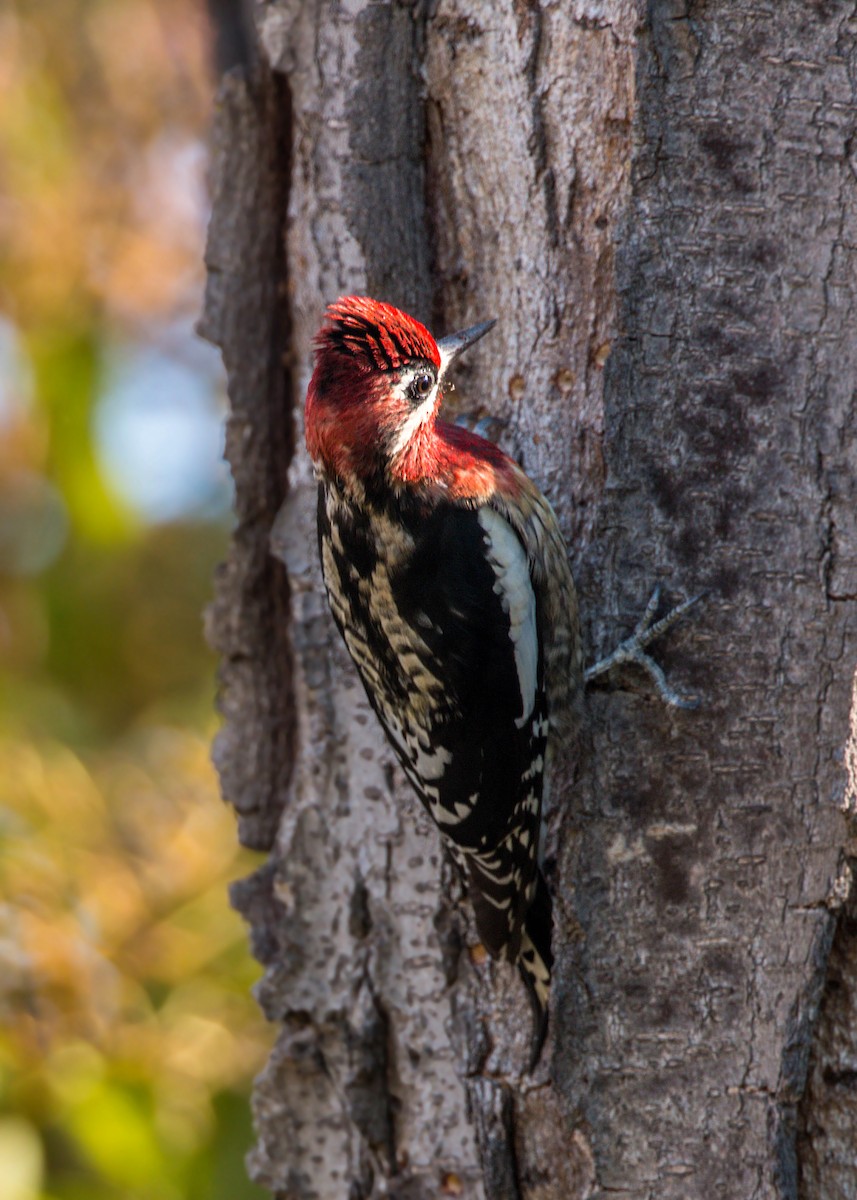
pixel 449 581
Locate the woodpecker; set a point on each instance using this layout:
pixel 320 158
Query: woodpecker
pixel 448 579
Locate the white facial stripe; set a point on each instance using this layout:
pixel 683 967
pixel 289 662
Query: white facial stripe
pixel 515 589
pixel 418 417
pixel 415 420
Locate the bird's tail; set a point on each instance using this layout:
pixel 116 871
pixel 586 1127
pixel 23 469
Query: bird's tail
pixel 535 961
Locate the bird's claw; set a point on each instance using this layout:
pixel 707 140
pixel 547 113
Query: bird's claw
pixel 633 649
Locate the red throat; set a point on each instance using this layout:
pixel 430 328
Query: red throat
pixel 457 464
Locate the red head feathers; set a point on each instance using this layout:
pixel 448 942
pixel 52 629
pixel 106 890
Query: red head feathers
pixel 383 336
pixel 373 400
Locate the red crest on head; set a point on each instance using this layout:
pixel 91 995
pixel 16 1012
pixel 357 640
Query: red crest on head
pixel 356 414
pixel 383 336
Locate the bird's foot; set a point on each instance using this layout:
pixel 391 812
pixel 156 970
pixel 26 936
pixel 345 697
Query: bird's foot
pixel 633 649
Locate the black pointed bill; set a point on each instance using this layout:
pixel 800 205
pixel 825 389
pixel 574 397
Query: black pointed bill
pixel 455 343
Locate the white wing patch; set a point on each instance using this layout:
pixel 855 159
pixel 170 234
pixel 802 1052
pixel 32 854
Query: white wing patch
pixel 515 589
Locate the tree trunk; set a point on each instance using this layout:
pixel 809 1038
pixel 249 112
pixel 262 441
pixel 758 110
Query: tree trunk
pixel 657 202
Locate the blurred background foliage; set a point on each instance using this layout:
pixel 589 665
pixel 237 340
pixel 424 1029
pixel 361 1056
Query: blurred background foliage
pixel 127 1034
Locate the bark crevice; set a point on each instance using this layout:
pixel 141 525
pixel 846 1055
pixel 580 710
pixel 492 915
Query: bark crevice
pixel 245 314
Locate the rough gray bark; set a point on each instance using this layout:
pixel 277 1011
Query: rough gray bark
pixel 657 202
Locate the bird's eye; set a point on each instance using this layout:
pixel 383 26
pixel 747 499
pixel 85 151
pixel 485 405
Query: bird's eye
pixel 423 384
